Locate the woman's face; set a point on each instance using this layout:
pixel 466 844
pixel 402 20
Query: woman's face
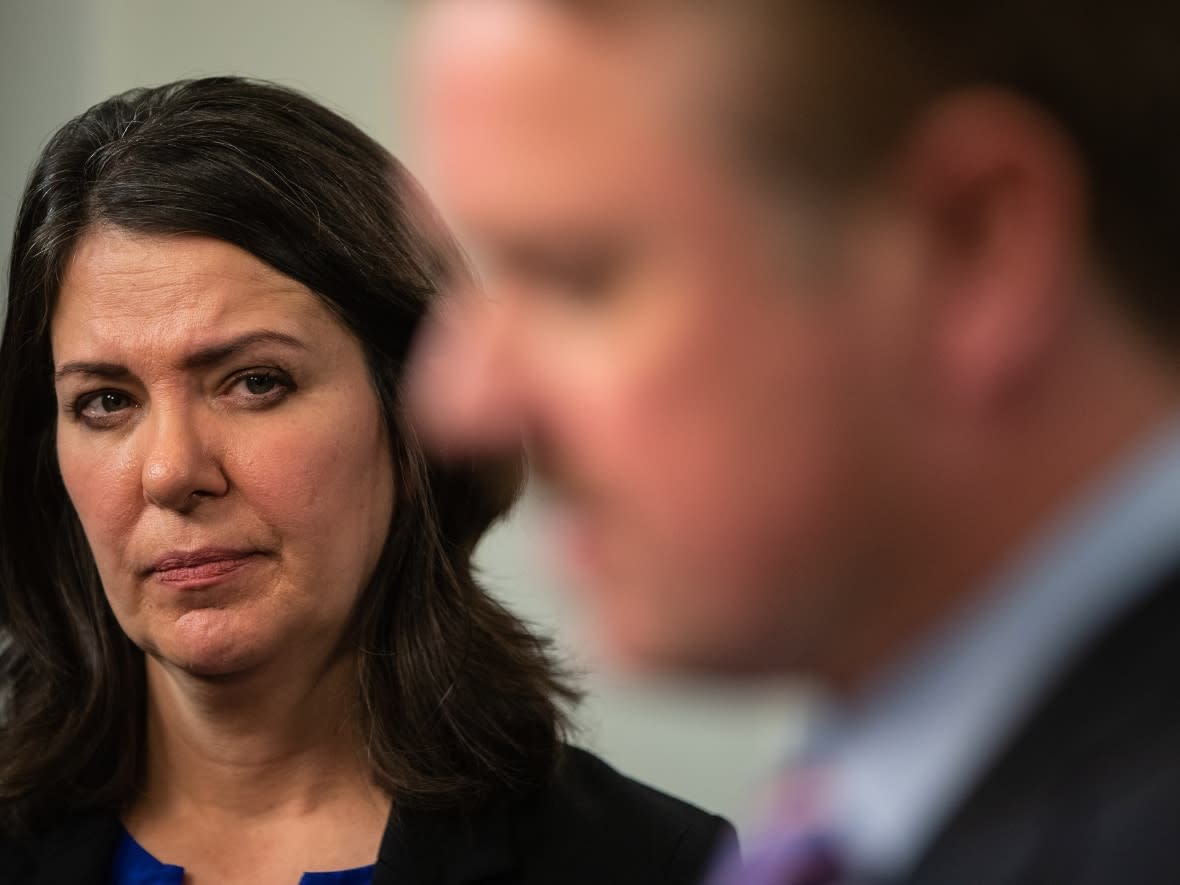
pixel 221 442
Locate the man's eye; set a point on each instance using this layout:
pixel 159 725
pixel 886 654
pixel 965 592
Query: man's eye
pixel 583 278
pixel 582 273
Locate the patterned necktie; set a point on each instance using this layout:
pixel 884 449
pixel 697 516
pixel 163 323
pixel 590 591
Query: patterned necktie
pixel 797 859
pixel 792 848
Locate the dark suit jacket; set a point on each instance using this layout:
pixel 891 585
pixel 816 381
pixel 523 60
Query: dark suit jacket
pixel 591 826
pixel 1088 793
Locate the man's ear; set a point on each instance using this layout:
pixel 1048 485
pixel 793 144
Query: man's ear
pixel 999 199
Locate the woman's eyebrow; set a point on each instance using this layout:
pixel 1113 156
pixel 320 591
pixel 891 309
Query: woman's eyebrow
pixel 199 359
pixel 112 371
pixel 216 353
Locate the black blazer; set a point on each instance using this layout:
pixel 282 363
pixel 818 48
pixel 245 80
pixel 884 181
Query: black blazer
pixel 1088 793
pixel 590 826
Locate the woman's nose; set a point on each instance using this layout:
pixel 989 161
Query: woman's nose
pixel 179 468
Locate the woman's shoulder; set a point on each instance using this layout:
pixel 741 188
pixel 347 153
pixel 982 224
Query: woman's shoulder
pixel 587 786
pixel 615 829
pixel 587 825
pixel 75 849
pixel 17 863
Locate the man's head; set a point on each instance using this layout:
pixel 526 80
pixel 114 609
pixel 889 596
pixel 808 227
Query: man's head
pixel 800 305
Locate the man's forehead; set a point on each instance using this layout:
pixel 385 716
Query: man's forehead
pixel 517 106
pixel 499 56
pixel 506 55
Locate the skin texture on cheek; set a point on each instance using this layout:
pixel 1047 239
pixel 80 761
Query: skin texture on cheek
pixel 702 457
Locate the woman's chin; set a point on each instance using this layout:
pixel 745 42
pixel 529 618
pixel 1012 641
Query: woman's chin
pixel 209 663
pixel 210 645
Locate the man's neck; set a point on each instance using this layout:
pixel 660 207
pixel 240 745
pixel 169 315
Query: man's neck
pixel 1003 478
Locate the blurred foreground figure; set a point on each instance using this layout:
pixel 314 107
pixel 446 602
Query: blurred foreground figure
pixel 846 335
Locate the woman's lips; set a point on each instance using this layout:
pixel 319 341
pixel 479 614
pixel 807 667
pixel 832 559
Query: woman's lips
pixel 200 568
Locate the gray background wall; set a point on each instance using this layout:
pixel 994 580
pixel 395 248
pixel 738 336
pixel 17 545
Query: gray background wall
pixel 57 57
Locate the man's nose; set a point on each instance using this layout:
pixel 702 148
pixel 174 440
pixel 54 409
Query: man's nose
pixel 465 388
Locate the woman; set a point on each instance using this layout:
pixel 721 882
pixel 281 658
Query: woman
pixel 240 639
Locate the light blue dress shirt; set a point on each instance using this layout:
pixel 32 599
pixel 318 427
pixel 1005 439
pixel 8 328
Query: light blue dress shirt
pixel 901 762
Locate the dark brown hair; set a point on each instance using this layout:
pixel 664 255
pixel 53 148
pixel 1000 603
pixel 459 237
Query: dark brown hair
pixel 825 89
pixel 456 698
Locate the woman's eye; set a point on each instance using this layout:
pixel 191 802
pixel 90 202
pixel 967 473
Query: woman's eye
pixel 113 402
pixel 102 409
pixel 259 384
pixel 262 387
pixel 102 404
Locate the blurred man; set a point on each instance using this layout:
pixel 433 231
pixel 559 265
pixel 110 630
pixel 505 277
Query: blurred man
pixel 846 333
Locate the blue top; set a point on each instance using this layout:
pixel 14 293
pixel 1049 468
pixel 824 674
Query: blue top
pixel 134 866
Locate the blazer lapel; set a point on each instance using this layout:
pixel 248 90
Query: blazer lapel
pixel 1031 818
pixel 79 851
pixel 445 848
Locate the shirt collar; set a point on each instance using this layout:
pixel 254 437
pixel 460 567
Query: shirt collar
pixel 906 756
